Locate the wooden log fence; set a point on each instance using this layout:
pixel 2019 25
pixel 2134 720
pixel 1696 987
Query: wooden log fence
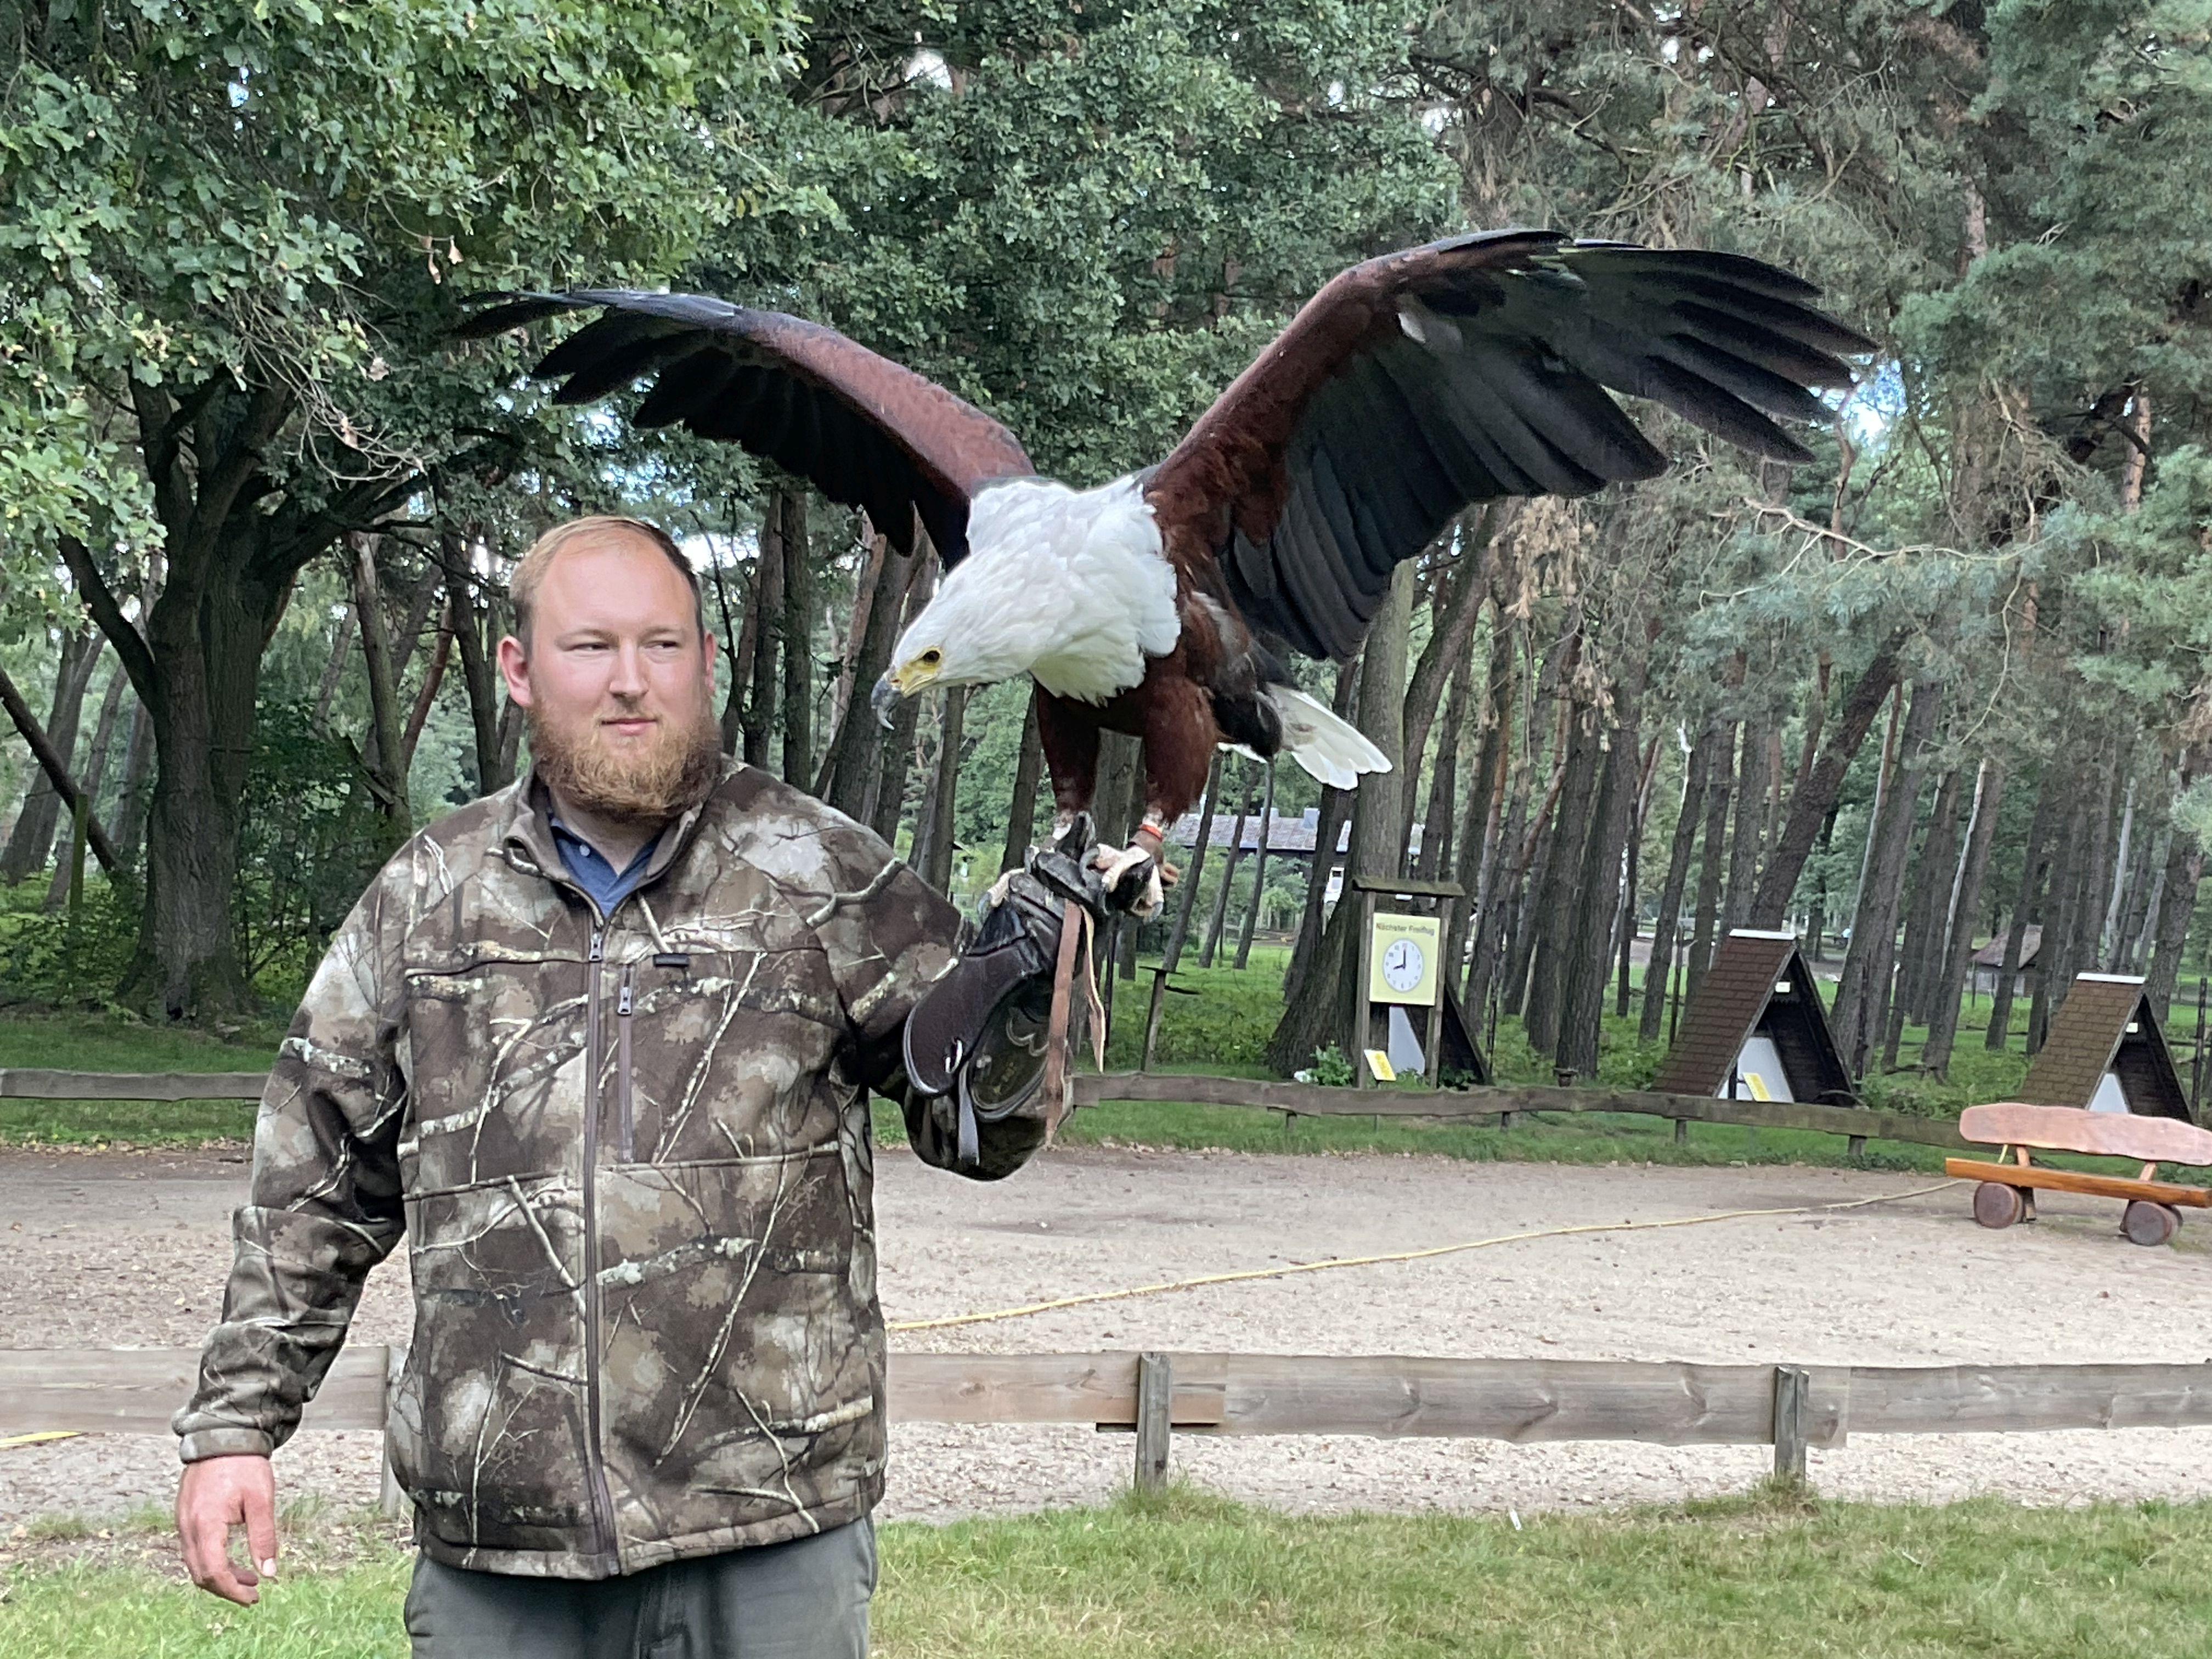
pixel 1292 1099
pixel 1158 1395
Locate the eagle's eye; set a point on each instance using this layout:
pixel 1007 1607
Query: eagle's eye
pixel 931 658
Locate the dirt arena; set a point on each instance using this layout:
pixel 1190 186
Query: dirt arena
pixel 130 1250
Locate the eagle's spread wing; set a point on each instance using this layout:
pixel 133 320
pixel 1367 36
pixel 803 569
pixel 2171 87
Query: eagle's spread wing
pixel 862 429
pixel 1423 381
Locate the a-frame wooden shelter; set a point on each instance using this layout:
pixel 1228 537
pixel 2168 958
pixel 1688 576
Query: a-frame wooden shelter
pixel 2105 1051
pixel 1755 1029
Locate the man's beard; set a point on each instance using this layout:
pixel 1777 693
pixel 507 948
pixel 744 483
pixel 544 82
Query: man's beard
pixel 641 785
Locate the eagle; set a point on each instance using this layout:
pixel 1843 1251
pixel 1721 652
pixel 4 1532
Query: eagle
pixel 1162 603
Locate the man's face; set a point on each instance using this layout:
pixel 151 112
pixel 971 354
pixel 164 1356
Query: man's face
pixel 617 682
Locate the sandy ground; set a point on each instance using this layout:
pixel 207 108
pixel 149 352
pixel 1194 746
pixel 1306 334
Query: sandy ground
pixel 130 1250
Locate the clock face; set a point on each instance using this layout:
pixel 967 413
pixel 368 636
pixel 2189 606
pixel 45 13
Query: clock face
pixel 1402 965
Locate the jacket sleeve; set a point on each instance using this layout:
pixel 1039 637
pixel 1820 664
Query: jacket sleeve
pixel 325 1206
pixel 890 937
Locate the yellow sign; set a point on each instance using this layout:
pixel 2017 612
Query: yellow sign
pixel 1403 954
pixel 1378 1064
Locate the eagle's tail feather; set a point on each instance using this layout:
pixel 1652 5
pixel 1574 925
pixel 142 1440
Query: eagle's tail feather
pixel 1332 749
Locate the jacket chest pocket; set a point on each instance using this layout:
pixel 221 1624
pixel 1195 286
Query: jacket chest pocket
pixel 493 1048
pixel 713 1055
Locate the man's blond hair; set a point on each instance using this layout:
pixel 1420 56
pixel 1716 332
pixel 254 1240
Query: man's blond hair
pixel 530 571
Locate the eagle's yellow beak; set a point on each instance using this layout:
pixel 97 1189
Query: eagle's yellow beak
pixel 909 679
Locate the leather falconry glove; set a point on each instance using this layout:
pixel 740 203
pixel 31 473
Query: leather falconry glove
pixel 986 1033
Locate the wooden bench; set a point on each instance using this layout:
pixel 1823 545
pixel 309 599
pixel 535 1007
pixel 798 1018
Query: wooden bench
pixel 2007 1192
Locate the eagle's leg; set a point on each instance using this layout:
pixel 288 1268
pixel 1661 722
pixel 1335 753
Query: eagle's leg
pixel 1141 862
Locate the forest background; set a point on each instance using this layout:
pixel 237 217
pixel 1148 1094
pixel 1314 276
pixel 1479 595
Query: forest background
pixel 1946 686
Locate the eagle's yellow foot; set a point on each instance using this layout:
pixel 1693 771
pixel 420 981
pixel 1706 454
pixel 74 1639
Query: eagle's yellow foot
pixel 1114 868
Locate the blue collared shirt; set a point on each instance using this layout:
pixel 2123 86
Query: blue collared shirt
pixel 607 886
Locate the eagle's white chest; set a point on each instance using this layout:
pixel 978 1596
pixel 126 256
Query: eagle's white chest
pixel 1072 586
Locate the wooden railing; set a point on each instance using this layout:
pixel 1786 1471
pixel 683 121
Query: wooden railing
pixel 1292 1099
pixel 1792 1408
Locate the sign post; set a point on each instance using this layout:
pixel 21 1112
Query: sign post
pixel 1401 962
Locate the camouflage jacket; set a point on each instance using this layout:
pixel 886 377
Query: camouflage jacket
pixel 630 1155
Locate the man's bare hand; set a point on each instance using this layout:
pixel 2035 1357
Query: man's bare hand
pixel 216 1494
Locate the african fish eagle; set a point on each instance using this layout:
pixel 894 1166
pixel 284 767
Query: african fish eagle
pixel 1409 388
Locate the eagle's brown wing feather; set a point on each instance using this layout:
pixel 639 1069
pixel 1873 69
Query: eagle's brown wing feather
pixel 864 430
pixel 1417 384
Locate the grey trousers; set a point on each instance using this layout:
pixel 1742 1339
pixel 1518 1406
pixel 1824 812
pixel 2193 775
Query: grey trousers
pixel 807 1599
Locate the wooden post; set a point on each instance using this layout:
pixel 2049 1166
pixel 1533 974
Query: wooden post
pixel 391 1501
pixel 1792 1384
pixel 1436 1066
pixel 1152 1019
pixel 1681 1132
pixel 1362 1013
pixel 1155 1396
pixel 1680 966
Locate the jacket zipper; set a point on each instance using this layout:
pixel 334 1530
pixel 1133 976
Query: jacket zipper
pixel 603 1506
pixel 623 1001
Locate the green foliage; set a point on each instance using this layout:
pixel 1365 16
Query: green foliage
pixel 1331 1069
pixel 45 959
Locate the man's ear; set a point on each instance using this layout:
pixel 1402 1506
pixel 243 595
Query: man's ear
pixel 514 669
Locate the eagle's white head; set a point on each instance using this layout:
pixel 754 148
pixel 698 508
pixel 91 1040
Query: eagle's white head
pixel 1069 586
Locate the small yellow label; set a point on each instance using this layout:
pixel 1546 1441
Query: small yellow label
pixel 1758 1086
pixel 1379 1064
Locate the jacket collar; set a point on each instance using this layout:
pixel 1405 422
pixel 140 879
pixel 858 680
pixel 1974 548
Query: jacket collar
pixel 525 828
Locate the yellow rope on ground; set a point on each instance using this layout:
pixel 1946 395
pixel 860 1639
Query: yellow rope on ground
pixel 39 1438
pixel 1250 1273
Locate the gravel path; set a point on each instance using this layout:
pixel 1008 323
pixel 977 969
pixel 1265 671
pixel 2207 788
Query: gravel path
pixel 129 1250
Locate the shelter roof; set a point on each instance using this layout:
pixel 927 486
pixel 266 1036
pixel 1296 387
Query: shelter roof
pixel 1992 954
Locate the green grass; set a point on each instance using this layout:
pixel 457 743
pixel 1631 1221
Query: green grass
pixel 1189 1574
pixel 95 1042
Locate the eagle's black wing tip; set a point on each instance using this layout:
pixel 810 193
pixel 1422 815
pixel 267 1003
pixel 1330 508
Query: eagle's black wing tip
pixel 501 311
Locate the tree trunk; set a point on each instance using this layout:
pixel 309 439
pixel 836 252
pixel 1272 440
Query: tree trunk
pixel 2066 860
pixel 1453 613
pixel 1444 783
pixel 1932 879
pixel 1965 906
pixel 1336 807
pixel 95 771
pixel 1720 783
pixel 1556 908
pixel 2177 904
pixel 762 645
pixel 2034 861
pixel 1695 771
pixel 1220 920
pixel 1187 900
pixel 478 677
pixel 32 838
pixel 1862 994
pixel 334 672
pixel 1752 779
pixel 130 798
pixel 426 695
pixel 1021 814
pixel 2124 858
pixel 856 752
pixel 50 763
pixel 1596 899
pixel 380 755
pixel 1811 804
pixel 1816 919
pixel 1327 999
pixel 935 865
pixel 796 636
pixel 1476 843
pixel 1259 874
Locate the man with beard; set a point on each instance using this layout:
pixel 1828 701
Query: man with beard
pixel 600 1048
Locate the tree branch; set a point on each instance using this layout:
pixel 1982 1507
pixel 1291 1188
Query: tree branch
pixel 57 774
pixel 131 648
